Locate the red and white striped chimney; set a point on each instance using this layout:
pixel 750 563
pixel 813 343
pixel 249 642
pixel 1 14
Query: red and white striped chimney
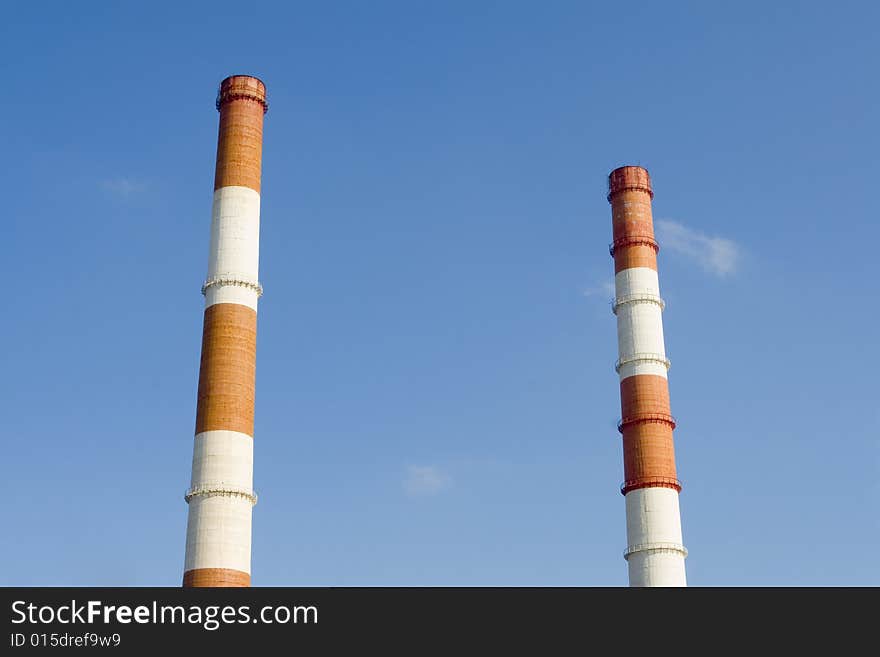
pixel 654 553
pixel 221 496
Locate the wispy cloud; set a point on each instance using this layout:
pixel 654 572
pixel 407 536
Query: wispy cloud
pixel 123 186
pixel 604 289
pixel 425 480
pixel 717 255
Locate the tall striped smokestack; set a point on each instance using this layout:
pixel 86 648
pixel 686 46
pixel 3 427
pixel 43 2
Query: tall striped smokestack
pixel 654 553
pixel 221 496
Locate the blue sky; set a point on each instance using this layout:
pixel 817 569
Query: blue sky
pixel 436 397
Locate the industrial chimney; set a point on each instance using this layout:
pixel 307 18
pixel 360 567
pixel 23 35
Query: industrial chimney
pixel 654 553
pixel 221 496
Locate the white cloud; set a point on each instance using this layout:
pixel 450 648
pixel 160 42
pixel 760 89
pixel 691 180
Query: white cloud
pixel 717 255
pixel 425 480
pixel 123 186
pixel 603 289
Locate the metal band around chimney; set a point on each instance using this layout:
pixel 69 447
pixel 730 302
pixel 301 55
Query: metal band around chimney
pixel 232 280
pixel 220 489
pixel 642 358
pixel 639 297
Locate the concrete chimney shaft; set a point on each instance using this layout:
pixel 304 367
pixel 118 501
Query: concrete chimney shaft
pixel 655 554
pixel 221 496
